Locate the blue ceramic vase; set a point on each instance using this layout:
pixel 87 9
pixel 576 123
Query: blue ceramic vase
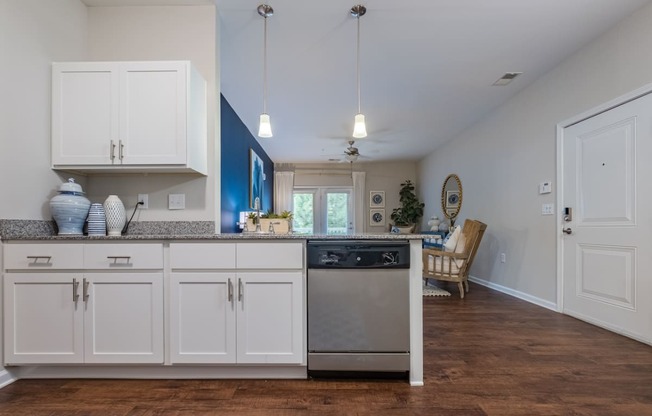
pixel 70 208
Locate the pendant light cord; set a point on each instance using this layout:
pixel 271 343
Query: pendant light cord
pixel 265 68
pixel 358 64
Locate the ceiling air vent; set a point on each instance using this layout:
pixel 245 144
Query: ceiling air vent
pixel 506 79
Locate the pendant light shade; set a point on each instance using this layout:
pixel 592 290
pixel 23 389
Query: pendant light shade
pixel 265 125
pixel 359 128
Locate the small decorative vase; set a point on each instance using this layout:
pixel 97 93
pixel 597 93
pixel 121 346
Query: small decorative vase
pixel 115 215
pixel 70 208
pixel 96 220
pixel 434 223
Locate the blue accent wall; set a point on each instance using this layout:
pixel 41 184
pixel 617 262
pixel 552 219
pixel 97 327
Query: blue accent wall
pixel 236 142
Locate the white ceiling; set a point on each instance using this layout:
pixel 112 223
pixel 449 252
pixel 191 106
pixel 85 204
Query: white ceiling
pixel 426 65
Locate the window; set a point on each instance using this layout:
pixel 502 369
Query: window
pixel 322 211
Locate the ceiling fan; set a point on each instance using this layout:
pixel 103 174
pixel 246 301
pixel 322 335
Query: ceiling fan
pixel 351 154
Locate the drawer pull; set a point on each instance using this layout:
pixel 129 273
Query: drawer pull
pixel 86 295
pixel 230 298
pixel 115 259
pixel 75 290
pixel 35 260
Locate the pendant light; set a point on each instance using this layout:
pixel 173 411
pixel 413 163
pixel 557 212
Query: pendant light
pixel 265 126
pixel 359 128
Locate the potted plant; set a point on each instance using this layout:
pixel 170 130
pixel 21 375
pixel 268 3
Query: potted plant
pixel 282 222
pixel 411 209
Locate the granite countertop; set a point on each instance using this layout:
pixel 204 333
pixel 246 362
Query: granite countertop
pixel 11 230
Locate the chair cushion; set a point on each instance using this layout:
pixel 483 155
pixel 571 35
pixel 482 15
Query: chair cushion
pixel 459 248
pixel 449 267
pixel 451 243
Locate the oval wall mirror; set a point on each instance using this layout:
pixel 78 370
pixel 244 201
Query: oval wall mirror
pixel 451 197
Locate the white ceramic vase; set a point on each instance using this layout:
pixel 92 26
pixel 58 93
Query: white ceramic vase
pixel 116 216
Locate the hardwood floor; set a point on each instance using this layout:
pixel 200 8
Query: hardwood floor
pixel 488 354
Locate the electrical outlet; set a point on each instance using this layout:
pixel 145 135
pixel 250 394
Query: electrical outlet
pixel 144 198
pixel 503 258
pixel 177 201
pixel 547 209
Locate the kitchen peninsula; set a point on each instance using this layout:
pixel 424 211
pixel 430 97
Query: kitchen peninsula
pixel 168 300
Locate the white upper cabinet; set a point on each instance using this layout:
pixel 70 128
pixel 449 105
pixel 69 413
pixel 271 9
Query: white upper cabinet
pixel 129 117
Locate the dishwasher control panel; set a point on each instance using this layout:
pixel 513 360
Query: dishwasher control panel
pixel 357 254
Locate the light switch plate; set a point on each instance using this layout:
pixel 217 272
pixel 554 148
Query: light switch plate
pixel 177 201
pixel 545 187
pixel 547 209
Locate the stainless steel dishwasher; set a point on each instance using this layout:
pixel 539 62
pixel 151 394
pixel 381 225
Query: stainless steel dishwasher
pixel 358 306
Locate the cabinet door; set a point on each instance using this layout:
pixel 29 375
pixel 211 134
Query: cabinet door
pixel 153 113
pixel 123 322
pixel 202 318
pixel 43 322
pixel 85 108
pixel 270 318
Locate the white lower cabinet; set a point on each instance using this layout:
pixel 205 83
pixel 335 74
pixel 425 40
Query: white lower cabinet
pixel 71 318
pixel 270 318
pixel 44 321
pixel 94 313
pixel 234 316
pixel 202 318
pixel 123 320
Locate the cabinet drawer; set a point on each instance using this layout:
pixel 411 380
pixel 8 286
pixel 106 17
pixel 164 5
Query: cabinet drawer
pixel 43 256
pixel 202 255
pixel 123 256
pixel 269 255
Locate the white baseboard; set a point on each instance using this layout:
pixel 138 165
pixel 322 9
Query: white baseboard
pixel 163 372
pixel 6 378
pixel 515 293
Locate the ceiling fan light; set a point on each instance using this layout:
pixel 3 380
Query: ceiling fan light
pixel 265 126
pixel 352 158
pixel 359 128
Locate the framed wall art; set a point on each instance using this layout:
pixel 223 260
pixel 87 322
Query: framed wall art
pixel 377 217
pixel 256 171
pixel 377 199
pixel 452 199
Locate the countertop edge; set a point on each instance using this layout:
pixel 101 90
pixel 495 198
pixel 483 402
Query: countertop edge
pixel 226 236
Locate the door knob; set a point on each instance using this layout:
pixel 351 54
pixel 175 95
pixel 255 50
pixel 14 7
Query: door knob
pixel 567 230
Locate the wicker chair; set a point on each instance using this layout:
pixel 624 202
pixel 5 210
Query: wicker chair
pixel 454 266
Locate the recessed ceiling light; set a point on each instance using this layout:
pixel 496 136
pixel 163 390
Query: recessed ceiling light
pixel 506 79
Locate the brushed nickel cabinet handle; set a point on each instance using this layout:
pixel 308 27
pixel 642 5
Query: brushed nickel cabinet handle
pixel 121 149
pixel 115 259
pixel 75 290
pixel 230 288
pixel 240 290
pixel 35 260
pixel 86 295
pixel 112 151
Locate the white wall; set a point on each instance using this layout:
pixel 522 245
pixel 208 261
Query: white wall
pixel 380 176
pixel 502 159
pixel 162 33
pixel 33 33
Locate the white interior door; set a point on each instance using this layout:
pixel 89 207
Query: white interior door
pixel 606 260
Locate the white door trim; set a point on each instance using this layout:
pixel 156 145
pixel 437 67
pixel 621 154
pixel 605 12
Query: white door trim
pixel 623 99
